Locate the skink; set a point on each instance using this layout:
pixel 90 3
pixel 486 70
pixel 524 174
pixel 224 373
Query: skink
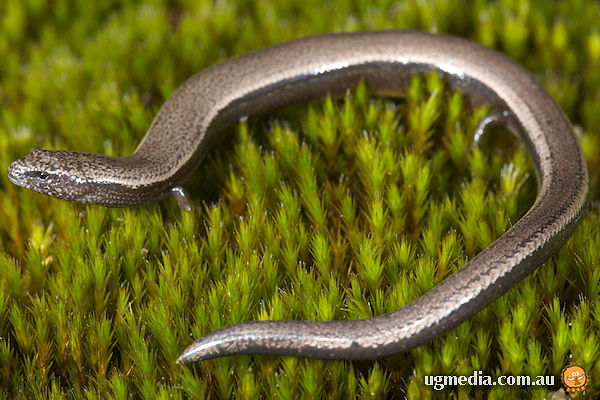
pixel 311 68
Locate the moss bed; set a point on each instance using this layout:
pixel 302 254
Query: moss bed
pixel 339 209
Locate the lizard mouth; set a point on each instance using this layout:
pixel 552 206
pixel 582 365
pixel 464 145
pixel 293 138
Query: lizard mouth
pixel 15 175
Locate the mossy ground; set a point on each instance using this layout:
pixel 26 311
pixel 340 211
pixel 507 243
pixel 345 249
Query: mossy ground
pixel 338 209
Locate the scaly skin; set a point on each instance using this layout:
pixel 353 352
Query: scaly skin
pixel 308 69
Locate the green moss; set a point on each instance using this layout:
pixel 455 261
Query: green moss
pixel 342 209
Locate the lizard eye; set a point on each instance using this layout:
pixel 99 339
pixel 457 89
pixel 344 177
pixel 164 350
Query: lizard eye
pixel 42 175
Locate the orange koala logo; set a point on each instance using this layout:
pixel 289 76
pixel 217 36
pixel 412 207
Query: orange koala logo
pixel 574 378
